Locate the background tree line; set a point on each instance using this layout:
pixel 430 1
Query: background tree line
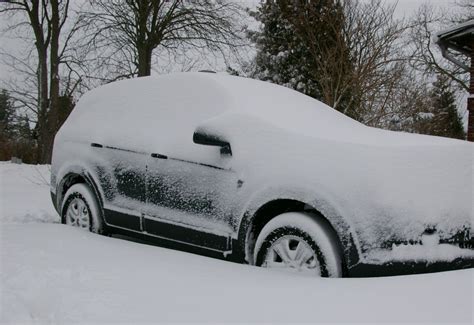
pixel 359 59
pixel 353 55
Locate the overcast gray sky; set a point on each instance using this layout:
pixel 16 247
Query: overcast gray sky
pixel 404 8
pixel 407 7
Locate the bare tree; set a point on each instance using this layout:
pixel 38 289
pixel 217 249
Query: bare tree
pixel 320 28
pixel 375 44
pixel 464 12
pixel 359 69
pixel 424 52
pixel 126 33
pixel 45 20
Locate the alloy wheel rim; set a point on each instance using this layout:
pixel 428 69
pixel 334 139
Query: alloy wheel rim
pixel 77 214
pixel 292 253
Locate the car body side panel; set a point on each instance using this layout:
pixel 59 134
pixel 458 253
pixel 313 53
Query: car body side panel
pixel 124 219
pixel 385 194
pixel 191 193
pixel 191 200
pixel 122 174
pixel 119 177
pixel 76 158
pixel 313 199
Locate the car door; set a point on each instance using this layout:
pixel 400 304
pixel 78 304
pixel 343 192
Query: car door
pixel 122 176
pixel 192 200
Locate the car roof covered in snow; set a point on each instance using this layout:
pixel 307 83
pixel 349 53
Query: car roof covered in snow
pixel 198 89
pixel 194 97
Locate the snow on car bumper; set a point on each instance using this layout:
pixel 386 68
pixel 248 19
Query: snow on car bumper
pixel 420 253
pixel 414 258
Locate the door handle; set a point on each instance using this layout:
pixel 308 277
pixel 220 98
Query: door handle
pixel 159 156
pixel 96 145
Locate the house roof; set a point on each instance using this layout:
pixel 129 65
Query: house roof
pixel 458 38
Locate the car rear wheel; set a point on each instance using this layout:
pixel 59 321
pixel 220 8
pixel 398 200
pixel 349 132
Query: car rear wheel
pixel 300 243
pixel 80 209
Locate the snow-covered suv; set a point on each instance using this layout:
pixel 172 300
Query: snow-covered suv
pixel 260 173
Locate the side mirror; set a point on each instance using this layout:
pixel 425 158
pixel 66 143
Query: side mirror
pixel 204 137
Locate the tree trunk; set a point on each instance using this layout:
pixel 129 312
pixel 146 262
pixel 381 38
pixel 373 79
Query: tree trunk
pixel 54 82
pixel 43 103
pixel 46 18
pixel 41 44
pixel 144 61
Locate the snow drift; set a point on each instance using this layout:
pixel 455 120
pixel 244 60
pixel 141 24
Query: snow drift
pixel 52 273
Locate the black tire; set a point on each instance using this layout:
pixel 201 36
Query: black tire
pixel 302 229
pixel 82 195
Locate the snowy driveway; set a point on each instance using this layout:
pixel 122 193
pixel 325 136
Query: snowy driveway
pixel 54 273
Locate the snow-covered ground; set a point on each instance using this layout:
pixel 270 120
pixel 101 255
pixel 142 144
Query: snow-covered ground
pixel 53 273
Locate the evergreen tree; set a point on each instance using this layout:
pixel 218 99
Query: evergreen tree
pixel 6 114
pixel 12 126
pixel 66 104
pixel 16 139
pixel 280 55
pixel 298 42
pixel 23 129
pixel 446 120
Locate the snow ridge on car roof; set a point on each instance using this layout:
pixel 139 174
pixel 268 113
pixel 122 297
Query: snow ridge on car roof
pixel 277 105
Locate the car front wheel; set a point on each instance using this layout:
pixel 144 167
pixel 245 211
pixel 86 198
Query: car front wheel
pixel 80 209
pixel 300 243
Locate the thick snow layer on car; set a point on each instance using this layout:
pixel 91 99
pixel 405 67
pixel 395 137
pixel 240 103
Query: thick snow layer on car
pixel 157 102
pixel 386 186
pixel 51 273
pixel 420 253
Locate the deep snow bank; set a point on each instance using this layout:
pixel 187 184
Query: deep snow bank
pixel 54 273
pixel 24 194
